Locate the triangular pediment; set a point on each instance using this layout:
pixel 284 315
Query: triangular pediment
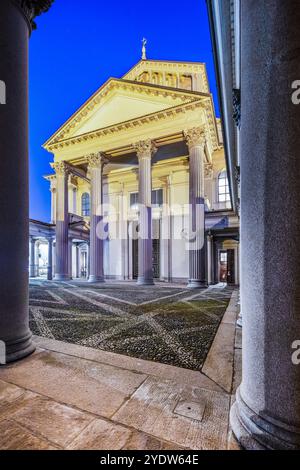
pixel 118 101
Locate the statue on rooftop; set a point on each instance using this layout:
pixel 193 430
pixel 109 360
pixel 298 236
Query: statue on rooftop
pixel 144 42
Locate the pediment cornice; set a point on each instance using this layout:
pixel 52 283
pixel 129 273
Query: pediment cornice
pixel 133 124
pixel 109 87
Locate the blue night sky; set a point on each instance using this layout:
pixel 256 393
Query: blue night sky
pixel 79 44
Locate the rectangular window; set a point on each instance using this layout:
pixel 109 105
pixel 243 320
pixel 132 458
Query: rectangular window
pixel 156 199
pixel 133 200
pixel 223 188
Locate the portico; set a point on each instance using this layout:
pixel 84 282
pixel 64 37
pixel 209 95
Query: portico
pixel 143 181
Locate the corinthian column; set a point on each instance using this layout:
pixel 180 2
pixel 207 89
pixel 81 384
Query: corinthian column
pixel 209 258
pixel 15 27
pixel 266 414
pixel 62 222
pixel 32 265
pixel 145 150
pixel 96 163
pixel 50 267
pixel 195 138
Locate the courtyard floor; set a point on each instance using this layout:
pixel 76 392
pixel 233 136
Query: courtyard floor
pixel 70 396
pixel 167 324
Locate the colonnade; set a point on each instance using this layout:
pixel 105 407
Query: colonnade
pixel 145 150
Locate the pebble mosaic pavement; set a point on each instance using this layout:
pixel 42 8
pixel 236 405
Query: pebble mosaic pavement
pixel 166 324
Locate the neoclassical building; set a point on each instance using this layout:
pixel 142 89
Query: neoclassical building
pixel 142 161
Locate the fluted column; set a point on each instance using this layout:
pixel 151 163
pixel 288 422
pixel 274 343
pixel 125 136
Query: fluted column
pixel 15 27
pixel 72 187
pixel 62 222
pixel 52 180
pixel 195 138
pixel 32 269
pixel 266 414
pixel 123 231
pixel 88 260
pixel 96 163
pixel 70 257
pixel 166 229
pixel 37 258
pixel 145 150
pixel 50 261
pixel 77 261
pixel 209 259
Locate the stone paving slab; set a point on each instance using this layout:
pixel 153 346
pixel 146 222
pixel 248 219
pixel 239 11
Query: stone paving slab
pixel 238 338
pixel 53 421
pixel 141 366
pixel 97 388
pixel 105 435
pixel 15 437
pixel 219 362
pixel 9 394
pixel 151 410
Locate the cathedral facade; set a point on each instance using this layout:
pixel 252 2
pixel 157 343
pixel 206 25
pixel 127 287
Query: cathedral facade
pixel 138 170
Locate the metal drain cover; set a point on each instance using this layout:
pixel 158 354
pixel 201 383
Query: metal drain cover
pixel 190 409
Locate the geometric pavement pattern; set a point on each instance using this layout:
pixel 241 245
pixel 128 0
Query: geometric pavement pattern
pixel 167 324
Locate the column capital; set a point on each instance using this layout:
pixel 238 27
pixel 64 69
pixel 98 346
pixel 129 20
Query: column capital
pixel 60 168
pixel 33 8
pixel 96 160
pixel 145 148
pixel 52 181
pixel 195 136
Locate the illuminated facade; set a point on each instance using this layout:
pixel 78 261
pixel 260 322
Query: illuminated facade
pixel 149 138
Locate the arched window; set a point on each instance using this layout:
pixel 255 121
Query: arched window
pixel 223 188
pixel 85 205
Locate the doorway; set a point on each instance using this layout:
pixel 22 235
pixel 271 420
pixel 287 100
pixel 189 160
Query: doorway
pixel 155 258
pixel 226 266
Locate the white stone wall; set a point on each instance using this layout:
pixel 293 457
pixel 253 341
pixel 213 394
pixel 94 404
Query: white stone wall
pixel 174 180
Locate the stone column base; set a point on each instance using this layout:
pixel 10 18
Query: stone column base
pixel 18 348
pixel 240 320
pixel 62 277
pixel 258 432
pixel 32 271
pixel 145 282
pixel 196 284
pixel 93 278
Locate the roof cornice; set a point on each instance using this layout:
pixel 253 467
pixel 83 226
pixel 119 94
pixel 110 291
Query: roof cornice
pixel 198 66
